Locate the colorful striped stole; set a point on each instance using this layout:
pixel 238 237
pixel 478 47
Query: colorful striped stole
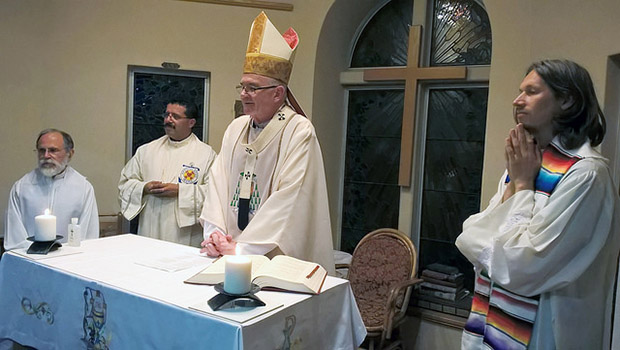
pixel 500 319
pixel 555 163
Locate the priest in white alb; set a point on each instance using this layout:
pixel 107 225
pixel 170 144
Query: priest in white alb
pixel 545 250
pixel 165 181
pixel 267 194
pixel 53 185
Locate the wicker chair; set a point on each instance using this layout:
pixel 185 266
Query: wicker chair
pixel 382 273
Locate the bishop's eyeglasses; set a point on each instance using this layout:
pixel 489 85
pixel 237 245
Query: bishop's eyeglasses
pixel 251 90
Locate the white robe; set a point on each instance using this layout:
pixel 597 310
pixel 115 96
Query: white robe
pixel 289 205
pixel 563 247
pixel 166 218
pixel 67 195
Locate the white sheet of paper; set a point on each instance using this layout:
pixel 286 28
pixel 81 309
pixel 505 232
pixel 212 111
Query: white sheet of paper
pixel 174 263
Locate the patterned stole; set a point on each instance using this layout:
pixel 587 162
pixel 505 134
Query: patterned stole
pixel 277 123
pixel 500 319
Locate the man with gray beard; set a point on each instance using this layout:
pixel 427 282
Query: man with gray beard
pixel 53 185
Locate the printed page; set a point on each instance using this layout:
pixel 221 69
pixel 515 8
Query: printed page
pixel 292 274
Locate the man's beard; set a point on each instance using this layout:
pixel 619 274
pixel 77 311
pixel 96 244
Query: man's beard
pixel 51 168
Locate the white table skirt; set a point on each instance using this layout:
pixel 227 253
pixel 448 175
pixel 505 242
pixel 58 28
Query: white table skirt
pixel 103 295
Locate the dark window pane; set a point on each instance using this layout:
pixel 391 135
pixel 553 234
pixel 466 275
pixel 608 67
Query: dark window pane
pixel 371 192
pixel 367 207
pixel 456 114
pixel 383 42
pixel 373 135
pixel 461 34
pixel 452 172
pixel 151 94
pixel 453 166
pixel 350 238
pixel 444 213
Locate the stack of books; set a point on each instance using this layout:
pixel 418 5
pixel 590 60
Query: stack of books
pixel 443 290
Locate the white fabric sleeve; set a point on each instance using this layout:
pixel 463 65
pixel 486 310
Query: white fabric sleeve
pixel 530 252
pixel 15 235
pixel 190 199
pixel 255 249
pixel 89 219
pixel 130 187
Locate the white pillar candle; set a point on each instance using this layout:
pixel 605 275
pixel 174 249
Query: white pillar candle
pixel 45 227
pixel 237 274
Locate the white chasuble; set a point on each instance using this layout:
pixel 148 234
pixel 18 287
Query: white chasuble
pixel 288 204
pixel 185 163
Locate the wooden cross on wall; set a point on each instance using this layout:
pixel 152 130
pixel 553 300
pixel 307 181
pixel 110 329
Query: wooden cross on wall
pixel 411 74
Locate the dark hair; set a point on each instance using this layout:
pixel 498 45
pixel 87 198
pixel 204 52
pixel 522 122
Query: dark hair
pixel 66 138
pixel 191 110
pixel 584 119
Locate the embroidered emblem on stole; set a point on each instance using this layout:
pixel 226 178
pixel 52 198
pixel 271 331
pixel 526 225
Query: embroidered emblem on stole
pixel 498 318
pixel 189 174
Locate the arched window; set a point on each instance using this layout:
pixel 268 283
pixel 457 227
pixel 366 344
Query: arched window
pixel 449 138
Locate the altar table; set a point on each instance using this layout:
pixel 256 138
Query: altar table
pixel 107 294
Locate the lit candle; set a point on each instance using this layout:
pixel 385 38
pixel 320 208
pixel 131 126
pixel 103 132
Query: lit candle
pixel 237 274
pixel 45 227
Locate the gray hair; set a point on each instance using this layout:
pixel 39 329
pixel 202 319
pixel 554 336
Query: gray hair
pixel 66 138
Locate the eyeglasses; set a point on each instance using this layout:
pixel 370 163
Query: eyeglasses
pixel 252 89
pixel 53 151
pixel 173 115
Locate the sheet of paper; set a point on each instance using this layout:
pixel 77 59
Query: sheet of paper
pixel 173 263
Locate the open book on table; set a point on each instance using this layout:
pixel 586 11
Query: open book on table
pixel 280 273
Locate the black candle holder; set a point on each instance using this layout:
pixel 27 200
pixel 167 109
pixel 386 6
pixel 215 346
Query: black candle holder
pixel 43 247
pixel 225 300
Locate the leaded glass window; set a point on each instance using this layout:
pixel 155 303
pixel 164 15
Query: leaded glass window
pixel 152 89
pixel 383 41
pixel 461 34
pixel 450 134
pixel 371 191
pixel 454 150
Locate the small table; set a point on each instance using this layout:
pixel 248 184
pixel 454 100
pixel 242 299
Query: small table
pixel 108 294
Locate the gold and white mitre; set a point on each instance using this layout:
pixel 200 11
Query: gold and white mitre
pixel 270 53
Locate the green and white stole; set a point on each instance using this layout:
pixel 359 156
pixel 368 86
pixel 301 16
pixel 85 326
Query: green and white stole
pixel 252 150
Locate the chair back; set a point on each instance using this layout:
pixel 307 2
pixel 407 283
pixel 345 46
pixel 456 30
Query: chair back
pixel 383 260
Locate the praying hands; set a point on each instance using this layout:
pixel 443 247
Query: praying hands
pixel 218 244
pixel 523 160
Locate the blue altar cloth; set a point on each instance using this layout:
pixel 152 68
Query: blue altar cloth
pixel 102 295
